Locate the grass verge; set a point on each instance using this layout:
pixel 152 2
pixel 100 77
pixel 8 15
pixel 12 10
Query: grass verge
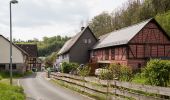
pixel 72 87
pixel 8 92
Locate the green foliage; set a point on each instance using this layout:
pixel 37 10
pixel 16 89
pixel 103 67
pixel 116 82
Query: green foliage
pixel 49 60
pixel 8 92
pixel 139 78
pixel 0 77
pixel 106 74
pixel 164 21
pixel 68 67
pixel 126 73
pixel 85 71
pixel 102 21
pixel 7 75
pixel 116 71
pixel 47 45
pixel 157 72
pixel 134 12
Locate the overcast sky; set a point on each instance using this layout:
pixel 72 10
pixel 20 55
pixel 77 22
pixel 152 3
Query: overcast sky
pixel 39 18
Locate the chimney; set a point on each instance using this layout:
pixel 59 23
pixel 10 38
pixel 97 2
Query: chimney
pixel 82 28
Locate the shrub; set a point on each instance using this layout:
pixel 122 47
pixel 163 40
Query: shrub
pixel 68 67
pixel 85 71
pixel 125 73
pixel 106 74
pixel 157 72
pixel 116 71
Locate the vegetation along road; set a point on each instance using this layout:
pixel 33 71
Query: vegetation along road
pixel 37 87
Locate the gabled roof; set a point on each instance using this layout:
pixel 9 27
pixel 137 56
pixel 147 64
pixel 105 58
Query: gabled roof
pixel 31 49
pixel 15 46
pixel 69 44
pixel 120 37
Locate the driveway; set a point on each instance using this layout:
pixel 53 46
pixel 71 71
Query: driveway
pixel 37 87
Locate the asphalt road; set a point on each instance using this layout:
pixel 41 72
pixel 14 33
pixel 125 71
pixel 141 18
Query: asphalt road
pixel 37 87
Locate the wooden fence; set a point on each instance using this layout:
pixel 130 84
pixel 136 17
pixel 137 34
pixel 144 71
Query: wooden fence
pixel 121 88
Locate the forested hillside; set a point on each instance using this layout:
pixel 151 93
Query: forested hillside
pixel 132 12
pixel 48 45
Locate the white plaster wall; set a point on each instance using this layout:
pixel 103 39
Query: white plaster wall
pixel 5 52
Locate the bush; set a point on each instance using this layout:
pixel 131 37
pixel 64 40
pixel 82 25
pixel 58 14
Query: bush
pixel 106 74
pixel 116 71
pixel 85 71
pixel 125 73
pixel 68 67
pixel 157 72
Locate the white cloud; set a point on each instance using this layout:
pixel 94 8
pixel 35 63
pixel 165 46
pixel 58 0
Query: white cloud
pixel 38 18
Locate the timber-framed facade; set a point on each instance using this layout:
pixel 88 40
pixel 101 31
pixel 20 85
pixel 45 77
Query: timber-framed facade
pixel 149 42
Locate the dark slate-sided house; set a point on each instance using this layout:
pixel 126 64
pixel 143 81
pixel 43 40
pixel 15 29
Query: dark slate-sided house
pixel 77 48
pixel 132 46
pixel 31 49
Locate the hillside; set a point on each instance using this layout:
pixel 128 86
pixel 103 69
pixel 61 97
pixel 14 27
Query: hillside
pixel 164 21
pixel 47 46
pixel 135 11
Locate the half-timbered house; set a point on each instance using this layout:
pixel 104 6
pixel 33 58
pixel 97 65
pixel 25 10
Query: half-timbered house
pixel 32 50
pixel 132 46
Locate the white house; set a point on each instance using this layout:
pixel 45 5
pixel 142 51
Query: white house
pixel 19 56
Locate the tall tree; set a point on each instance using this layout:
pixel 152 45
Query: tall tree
pixel 101 24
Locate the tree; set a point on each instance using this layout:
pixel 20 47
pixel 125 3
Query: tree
pixel 50 60
pixel 101 24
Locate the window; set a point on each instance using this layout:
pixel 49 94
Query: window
pixel 107 54
pixel 113 54
pixel 2 67
pixel 89 41
pixel 14 66
pixel 85 41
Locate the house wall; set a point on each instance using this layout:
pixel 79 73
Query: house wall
pixel 79 53
pixel 150 42
pixel 63 58
pixel 110 55
pixel 17 56
pixel 20 67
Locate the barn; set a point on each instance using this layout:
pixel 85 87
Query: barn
pixel 132 46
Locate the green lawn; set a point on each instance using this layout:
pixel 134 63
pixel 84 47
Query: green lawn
pixel 139 79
